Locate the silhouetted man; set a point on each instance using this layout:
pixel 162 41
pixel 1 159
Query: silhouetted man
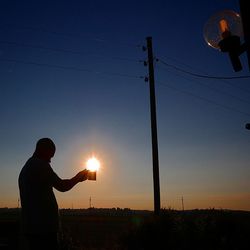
pixel 39 206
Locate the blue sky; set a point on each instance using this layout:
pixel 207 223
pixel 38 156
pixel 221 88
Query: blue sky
pixel 73 71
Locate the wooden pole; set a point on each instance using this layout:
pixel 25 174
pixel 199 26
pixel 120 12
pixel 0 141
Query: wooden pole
pixel 156 179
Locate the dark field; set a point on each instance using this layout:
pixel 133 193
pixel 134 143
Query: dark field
pixel 127 229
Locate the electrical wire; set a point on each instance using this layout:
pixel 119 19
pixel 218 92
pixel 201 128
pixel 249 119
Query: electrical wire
pixel 204 99
pixel 71 35
pixel 220 80
pixel 209 87
pixel 200 75
pixel 68 68
pixel 34 46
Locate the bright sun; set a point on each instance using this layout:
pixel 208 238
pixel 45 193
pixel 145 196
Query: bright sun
pixel 93 164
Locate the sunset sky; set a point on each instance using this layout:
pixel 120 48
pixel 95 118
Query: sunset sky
pixel 73 71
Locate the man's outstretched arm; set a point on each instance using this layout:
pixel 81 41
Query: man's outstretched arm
pixel 64 185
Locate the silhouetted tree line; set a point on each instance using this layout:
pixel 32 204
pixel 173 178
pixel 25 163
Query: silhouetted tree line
pixel 194 230
pixel 173 230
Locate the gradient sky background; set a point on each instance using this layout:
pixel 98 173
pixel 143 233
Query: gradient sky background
pixel 70 70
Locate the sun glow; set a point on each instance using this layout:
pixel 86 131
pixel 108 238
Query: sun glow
pixel 93 164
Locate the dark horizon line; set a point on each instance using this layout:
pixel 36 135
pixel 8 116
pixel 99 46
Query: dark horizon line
pixel 146 210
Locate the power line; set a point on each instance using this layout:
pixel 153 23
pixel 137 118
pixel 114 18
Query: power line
pixel 200 75
pixel 71 35
pixel 34 46
pixel 68 68
pixel 221 80
pixel 211 88
pixel 204 99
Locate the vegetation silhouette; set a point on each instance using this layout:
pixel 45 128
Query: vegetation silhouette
pixel 125 229
pixel 192 230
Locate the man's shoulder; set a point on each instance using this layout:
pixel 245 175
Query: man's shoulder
pixel 36 166
pixel 34 161
pixel 36 170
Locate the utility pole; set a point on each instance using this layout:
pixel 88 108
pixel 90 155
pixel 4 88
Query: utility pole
pixel 90 205
pixel 182 202
pixel 156 180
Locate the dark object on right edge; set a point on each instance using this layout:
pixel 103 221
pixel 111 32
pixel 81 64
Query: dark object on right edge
pixel 231 44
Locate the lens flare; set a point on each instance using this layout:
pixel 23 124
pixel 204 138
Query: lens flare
pixel 93 164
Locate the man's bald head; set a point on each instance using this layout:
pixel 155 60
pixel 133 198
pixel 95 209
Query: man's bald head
pixel 45 149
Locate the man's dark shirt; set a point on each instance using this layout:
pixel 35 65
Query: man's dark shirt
pixel 39 205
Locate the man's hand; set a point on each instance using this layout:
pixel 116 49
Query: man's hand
pixel 82 176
